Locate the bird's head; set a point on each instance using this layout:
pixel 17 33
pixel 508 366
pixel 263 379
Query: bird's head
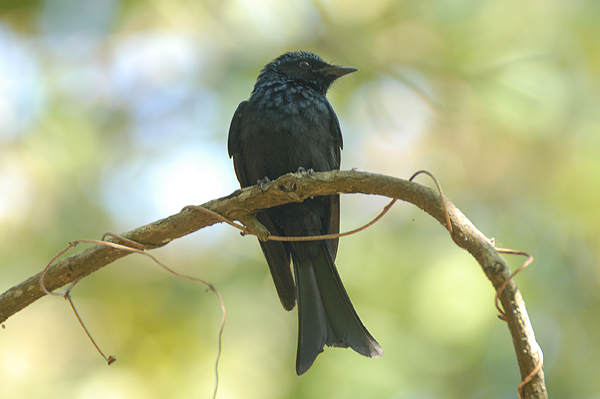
pixel 303 68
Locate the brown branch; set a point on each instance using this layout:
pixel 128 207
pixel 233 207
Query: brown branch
pixel 241 204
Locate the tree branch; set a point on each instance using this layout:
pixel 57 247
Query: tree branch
pixel 241 205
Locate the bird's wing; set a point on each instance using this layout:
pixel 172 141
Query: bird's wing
pixel 234 145
pixel 337 132
pixel 332 226
pixel 233 142
pixel 276 253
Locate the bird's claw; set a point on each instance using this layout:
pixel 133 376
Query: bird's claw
pixel 261 183
pixel 301 171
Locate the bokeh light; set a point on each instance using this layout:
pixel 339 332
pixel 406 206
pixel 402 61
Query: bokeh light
pixel 115 113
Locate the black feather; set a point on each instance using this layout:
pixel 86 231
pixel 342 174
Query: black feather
pixel 289 124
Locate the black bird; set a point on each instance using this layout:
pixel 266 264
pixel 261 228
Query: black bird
pixel 288 125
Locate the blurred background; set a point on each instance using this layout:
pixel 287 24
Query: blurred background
pixel 115 113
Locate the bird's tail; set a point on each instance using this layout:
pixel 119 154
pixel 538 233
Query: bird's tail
pixel 325 314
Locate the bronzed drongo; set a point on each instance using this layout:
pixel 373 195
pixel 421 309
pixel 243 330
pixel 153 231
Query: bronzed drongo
pixel 288 124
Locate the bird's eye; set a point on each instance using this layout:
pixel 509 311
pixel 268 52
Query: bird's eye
pixel 304 64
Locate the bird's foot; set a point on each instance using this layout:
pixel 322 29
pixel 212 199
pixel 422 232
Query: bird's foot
pixel 301 171
pixel 261 183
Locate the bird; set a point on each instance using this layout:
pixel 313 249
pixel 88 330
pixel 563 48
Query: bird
pixel 288 125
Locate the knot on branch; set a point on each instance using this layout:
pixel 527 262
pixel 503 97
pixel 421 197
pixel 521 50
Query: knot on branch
pixel 289 184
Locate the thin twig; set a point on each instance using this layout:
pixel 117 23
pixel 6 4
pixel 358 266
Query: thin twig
pixel 140 250
pixel 540 362
pixel 523 266
pixel 72 244
pixel 442 200
pixel 529 377
pixel 111 359
pixel 217 216
pixel 331 236
pixel 246 231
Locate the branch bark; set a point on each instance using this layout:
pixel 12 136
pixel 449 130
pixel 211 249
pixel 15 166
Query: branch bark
pixel 241 205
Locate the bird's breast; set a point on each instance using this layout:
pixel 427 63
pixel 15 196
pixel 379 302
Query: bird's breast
pixel 288 128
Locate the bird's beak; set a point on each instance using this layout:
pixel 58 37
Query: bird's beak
pixel 338 71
